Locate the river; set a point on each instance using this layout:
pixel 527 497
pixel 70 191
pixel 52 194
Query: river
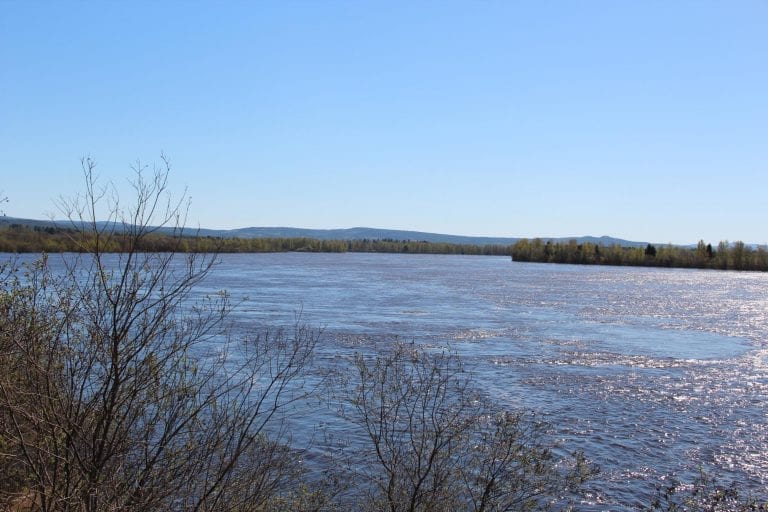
pixel 652 372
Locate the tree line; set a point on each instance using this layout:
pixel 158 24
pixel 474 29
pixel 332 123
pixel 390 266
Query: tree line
pixel 21 238
pixel 726 256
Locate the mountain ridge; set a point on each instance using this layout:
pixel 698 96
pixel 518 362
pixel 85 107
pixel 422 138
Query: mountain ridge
pixel 354 233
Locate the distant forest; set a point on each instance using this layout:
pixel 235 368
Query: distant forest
pixel 21 238
pixel 726 256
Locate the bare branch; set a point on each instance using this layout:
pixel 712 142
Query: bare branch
pixel 436 445
pixel 107 397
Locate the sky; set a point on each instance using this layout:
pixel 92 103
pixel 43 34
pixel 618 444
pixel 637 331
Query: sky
pixel 644 120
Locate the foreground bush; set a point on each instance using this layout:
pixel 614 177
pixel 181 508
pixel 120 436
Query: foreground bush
pixel 109 399
pixel 436 445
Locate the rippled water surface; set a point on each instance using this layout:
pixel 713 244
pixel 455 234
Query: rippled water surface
pixel 652 372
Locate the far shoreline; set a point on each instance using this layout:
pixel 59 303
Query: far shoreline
pixel 19 239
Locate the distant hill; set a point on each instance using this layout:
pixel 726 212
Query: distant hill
pixel 359 233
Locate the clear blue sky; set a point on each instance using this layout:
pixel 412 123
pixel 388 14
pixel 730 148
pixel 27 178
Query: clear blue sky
pixel 646 120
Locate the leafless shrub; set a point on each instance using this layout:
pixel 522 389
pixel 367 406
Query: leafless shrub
pixel 437 445
pixel 109 396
